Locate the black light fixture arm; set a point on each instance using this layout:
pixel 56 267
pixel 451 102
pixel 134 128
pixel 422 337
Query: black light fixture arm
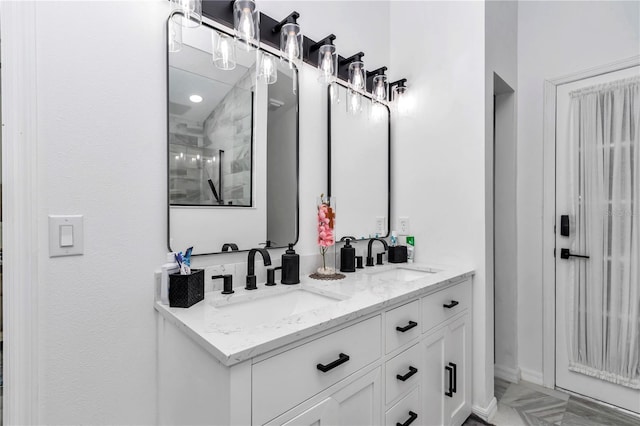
pixel 375 72
pixel 353 58
pixel 291 19
pixel 399 83
pixel 327 40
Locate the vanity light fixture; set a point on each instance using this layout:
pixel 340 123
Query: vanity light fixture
pixel 224 51
pixel 379 84
pixel 327 59
pixel 246 23
pixel 267 68
pixel 175 34
pixel 190 13
pixel 356 74
pixel 290 37
pixel 196 99
pixel 398 95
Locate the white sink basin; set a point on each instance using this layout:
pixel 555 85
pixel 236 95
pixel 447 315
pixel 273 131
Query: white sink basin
pixel 403 274
pixel 249 310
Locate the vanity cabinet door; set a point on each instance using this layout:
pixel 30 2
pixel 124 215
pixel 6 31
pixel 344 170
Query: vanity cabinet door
pixel 435 379
pixel 356 403
pixel 457 357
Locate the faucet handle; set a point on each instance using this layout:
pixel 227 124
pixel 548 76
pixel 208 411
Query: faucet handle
pixel 271 275
pixel 379 258
pixel 227 286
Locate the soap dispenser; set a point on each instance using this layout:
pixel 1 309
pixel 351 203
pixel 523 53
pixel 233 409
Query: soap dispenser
pixel 347 256
pixel 290 267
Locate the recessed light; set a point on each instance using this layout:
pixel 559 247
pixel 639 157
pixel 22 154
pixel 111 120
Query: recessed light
pixel 195 98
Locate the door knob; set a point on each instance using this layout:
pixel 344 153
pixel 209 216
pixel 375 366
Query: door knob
pixel 566 253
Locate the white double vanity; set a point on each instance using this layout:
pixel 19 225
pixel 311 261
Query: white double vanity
pixel 387 345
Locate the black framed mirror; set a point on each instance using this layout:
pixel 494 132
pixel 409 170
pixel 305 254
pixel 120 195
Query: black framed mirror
pixel 232 156
pixel 359 174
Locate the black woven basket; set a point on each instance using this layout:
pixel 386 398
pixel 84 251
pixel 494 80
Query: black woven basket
pixel 186 290
pixel 397 254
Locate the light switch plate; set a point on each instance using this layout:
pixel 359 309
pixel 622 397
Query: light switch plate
pixel 71 241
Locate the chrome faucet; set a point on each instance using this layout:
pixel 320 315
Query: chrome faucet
pixel 369 257
pixel 251 266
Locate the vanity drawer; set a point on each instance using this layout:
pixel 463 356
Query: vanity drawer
pixel 399 325
pixel 407 365
pixel 284 380
pixel 456 298
pixel 406 409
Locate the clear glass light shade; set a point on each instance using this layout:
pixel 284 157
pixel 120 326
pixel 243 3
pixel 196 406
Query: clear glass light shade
pixel 327 63
pixel 267 68
pixel 224 51
pixel 356 75
pixel 354 102
pixel 334 93
pixel 291 42
pixel 379 89
pixel 401 99
pixel 174 37
pixel 191 11
pixel 246 23
pixel 378 111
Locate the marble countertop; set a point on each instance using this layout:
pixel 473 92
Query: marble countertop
pixel 233 333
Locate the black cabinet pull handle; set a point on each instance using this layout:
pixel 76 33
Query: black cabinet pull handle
pixel 451 305
pixel 455 377
pixel 412 371
pixel 342 358
pixel 407 327
pixel 449 393
pixel 412 417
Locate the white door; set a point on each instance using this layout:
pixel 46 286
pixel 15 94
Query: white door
pixel 598 189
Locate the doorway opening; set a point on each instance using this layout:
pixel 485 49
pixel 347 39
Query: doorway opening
pixel 505 231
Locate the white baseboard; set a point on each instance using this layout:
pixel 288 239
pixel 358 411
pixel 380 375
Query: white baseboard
pixel 532 376
pixel 507 373
pixel 486 413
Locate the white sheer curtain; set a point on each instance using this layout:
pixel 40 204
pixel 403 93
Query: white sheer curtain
pixel 604 295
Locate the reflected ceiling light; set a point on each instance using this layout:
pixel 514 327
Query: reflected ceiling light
pixel 267 68
pixel 356 71
pixel 246 23
pixel 378 111
pixel 195 99
pixel 290 37
pixel 174 36
pixel 224 51
pixel 334 93
pixel 190 13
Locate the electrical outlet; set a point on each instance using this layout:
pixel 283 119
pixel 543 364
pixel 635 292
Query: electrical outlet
pixel 381 227
pixel 213 285
pixel 403 225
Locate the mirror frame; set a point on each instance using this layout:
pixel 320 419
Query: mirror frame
pixel 212 25
pixel 329 108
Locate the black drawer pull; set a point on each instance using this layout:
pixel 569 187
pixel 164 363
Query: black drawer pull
pixel 407 327
pixel 455 377
pixel 449 393
pixel 412 417
pixel 451 305
pixel 342 358
pixel 412 371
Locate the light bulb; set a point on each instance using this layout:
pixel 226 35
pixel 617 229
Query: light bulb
pixel 267 71
pixel 292 50
pixel 356 75
pixel 377 112
pixel 379 92
pixel 225 50
pixel 354 103
pixel 246 26
pixel 327 64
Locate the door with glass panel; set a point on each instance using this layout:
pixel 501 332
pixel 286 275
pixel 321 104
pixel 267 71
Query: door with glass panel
pixel 598 238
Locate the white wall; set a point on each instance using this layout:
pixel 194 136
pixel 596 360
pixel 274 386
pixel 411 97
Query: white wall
pixel 554 39
pixel 438 152
pixel 102 153
pixel 501 59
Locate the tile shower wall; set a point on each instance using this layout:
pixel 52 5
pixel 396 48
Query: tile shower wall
pixel 228 128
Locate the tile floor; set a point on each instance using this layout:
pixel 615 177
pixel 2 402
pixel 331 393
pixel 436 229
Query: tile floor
pixel 529 404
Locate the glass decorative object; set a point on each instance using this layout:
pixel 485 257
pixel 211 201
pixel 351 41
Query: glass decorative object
pixel 326 215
